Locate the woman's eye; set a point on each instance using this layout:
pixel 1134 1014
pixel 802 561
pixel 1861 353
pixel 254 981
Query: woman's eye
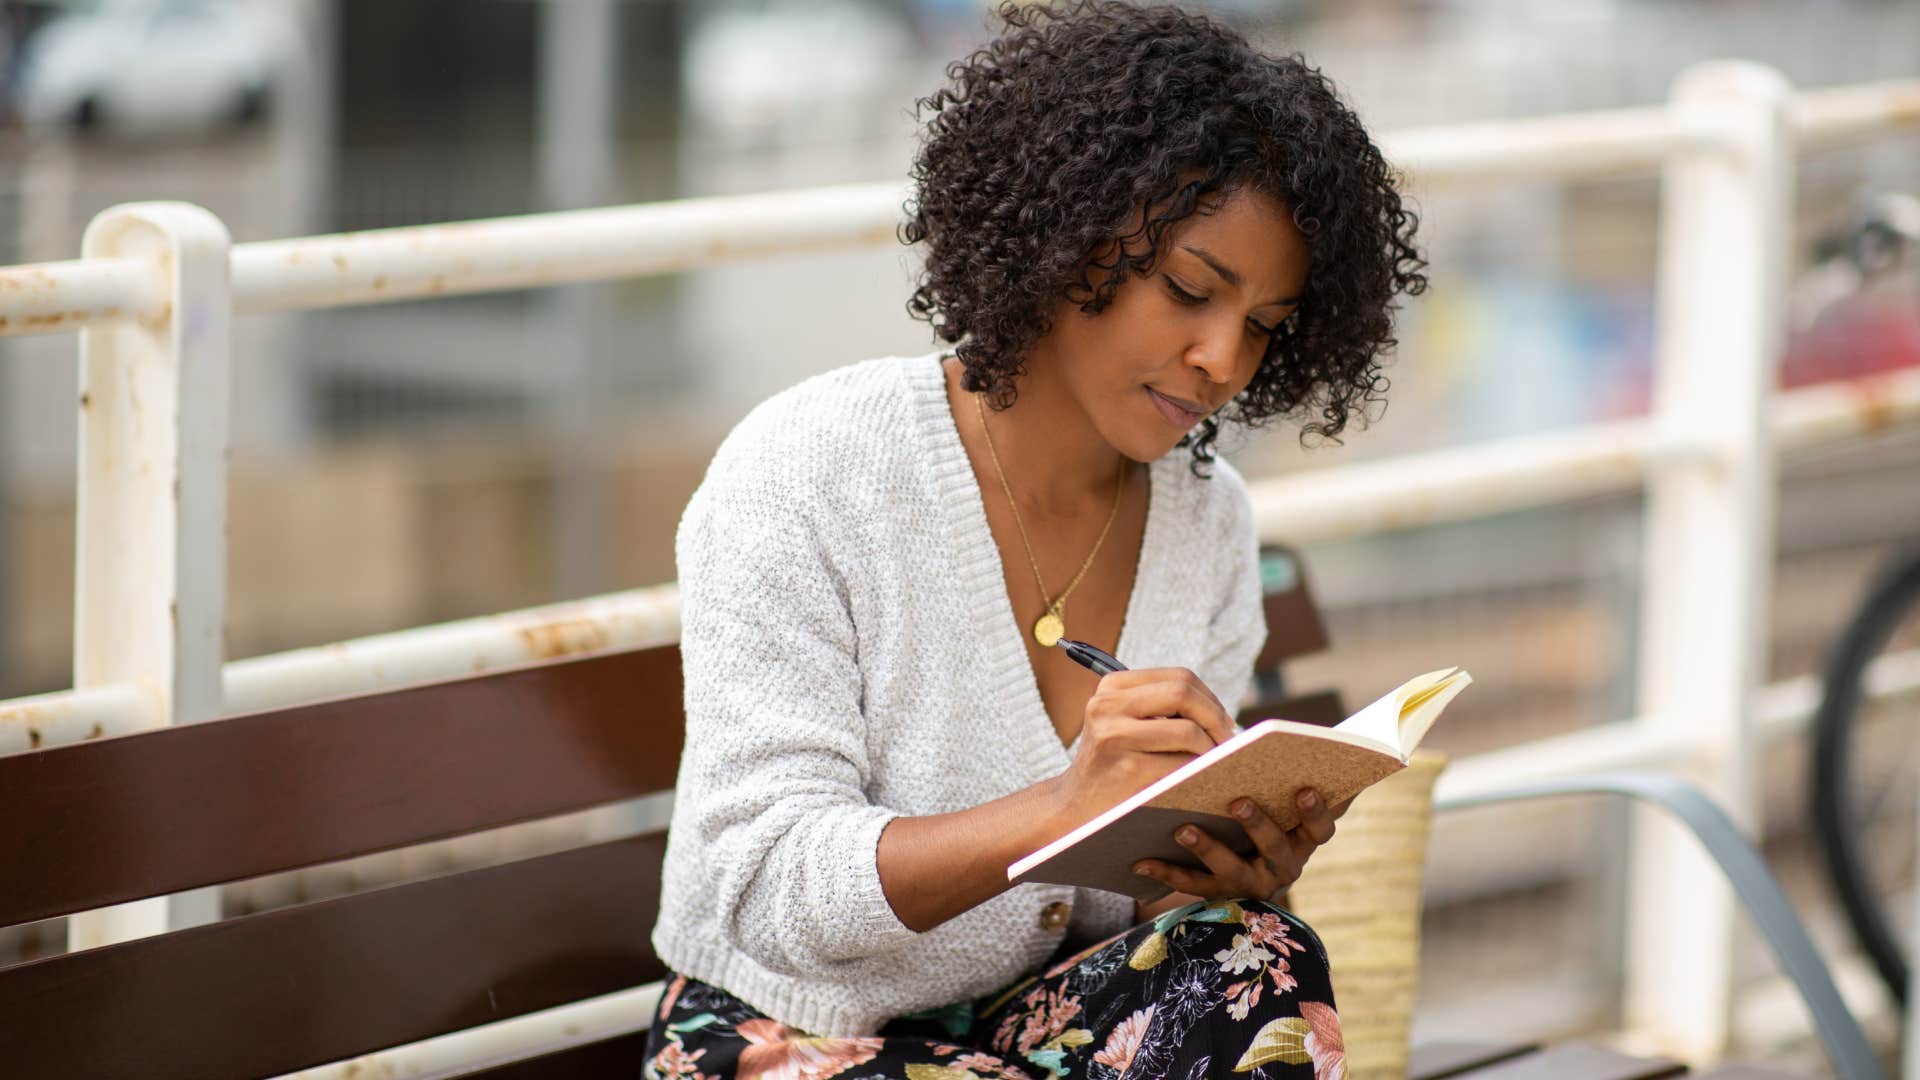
pixel 1192 300
pixel 1183 295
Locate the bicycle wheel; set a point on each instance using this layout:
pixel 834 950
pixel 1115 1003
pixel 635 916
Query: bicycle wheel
pixel 1864 794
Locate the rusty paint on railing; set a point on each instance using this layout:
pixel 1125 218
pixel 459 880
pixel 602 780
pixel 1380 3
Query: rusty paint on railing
pixel 632 619
pixel 1847 408
pixel 414 262
pixel 73 716
pixel 60 297
pixel 1842 113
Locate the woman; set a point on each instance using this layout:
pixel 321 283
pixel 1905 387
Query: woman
pixel 1137 227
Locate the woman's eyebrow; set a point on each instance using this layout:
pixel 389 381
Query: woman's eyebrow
pixel 1226 274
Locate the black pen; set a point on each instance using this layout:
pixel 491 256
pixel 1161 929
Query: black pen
pixel 1095 660
pixel 1100 662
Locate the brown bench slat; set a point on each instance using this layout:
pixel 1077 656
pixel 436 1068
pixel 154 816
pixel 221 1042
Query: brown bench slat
pixel 1576 1061
pixel 300 986
pixel 617 1057
pixel 156 812
pixel 1440 1060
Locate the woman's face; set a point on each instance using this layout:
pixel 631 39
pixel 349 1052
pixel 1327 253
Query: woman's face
pixel 1178 344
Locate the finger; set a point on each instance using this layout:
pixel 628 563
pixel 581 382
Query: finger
pixel 1182 880
pixel 1121 680
pixel 1137 678
pixel 1168 692
pixel 1156 735
pixel 1276 845
pixel 1316 820
pixel 1256 878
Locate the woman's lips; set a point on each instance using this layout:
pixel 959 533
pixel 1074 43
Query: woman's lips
pixel 1179 417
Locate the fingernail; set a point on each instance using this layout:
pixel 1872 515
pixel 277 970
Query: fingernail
pixel 1243 810
pixel 1308 800
pixel 1187 837
pixel 1141 869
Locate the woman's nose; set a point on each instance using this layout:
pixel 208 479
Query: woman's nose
pixel 1217 351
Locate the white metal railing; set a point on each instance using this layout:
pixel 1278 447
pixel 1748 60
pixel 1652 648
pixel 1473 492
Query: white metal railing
pixel 153 296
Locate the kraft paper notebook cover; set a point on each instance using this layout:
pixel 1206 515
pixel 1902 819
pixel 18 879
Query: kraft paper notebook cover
pixel 1269 763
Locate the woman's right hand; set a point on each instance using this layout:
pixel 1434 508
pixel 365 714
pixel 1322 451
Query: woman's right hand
pixel 1139 726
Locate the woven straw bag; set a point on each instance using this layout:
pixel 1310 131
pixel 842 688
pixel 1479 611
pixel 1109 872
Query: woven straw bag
pixel 1361 894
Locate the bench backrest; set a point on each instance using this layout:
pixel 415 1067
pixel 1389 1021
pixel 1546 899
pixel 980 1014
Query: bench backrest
pixel 110 820
pixel 141 815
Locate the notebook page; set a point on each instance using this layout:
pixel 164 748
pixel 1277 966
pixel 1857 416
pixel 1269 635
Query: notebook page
pixel 1423 706
pixel 1379 721
pixel 1385 721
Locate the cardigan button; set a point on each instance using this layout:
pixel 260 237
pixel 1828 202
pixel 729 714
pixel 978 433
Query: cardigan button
pixel 1055 915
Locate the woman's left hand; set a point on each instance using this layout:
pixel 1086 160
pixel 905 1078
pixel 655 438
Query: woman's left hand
pixel 1282 853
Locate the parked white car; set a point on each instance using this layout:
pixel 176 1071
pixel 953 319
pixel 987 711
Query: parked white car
pixel 154 65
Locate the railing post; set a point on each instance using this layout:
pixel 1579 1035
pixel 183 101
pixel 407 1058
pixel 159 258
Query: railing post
pixel 1726 214
pixel 150 568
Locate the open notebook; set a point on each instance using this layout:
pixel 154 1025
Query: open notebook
pixel 1269 763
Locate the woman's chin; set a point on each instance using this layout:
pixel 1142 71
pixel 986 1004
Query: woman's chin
pixel 1146 448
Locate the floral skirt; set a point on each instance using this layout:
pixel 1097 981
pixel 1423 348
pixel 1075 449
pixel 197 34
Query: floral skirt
pixel 1212 989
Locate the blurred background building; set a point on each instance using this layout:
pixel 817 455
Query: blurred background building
pixel 405 464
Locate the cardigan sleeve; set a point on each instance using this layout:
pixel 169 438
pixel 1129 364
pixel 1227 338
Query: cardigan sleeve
pixel 776 767
pixel 1239 624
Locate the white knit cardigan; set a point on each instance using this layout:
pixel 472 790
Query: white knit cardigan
pixel 850 656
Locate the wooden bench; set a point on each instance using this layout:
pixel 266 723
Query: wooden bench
pixel 116 819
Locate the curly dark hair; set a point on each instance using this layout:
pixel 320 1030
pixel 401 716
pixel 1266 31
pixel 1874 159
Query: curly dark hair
pixel 1046 145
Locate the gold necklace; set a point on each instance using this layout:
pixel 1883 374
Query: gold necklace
pixel 1051 626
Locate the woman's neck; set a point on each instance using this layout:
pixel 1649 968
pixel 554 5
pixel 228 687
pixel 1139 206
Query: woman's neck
pixel 1055 460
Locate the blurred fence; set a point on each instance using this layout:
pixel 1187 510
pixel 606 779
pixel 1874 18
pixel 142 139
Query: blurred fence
pixel 154 295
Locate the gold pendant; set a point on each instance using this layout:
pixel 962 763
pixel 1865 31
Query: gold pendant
pixel 1048 629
